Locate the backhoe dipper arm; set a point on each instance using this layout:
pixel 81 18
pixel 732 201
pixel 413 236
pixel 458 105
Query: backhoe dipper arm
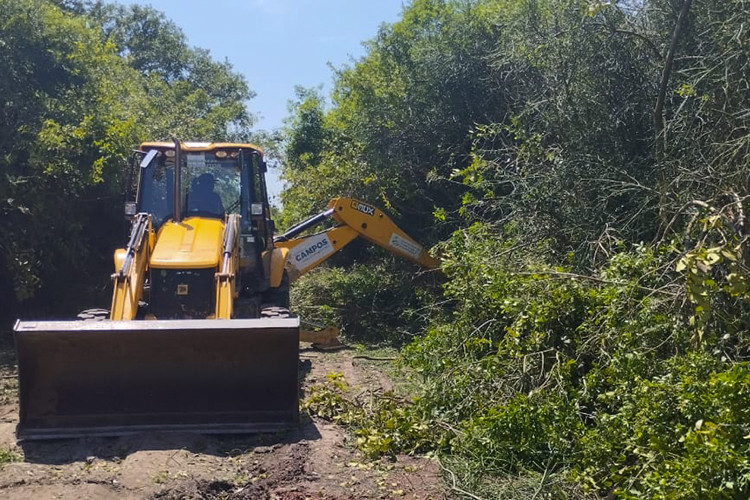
pixel 354 218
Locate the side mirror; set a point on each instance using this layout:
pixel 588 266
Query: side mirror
pixel 149 158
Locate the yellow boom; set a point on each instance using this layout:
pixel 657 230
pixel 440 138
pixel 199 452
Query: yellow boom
pixel 354 218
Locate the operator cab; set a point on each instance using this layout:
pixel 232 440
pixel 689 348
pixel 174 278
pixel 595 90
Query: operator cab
pixel 216 179
pixel 213 181
pixel 210 184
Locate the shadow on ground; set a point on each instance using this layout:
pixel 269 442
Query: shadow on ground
pixel 65 451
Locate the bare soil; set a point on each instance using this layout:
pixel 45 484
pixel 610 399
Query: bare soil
pixel 316 460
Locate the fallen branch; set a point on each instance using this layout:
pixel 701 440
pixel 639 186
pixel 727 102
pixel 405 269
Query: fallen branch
pixel 373 358
pixel 454 486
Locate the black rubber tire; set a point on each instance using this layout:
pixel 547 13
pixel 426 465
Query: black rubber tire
pixel 93 315
pixel 270 311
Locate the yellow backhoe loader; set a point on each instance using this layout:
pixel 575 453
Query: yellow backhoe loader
pixel 198 335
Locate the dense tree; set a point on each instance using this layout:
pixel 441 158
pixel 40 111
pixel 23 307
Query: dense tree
pixel 592 158
pixel 307 130
pixel 69 107
pixel 401 118
pixel 81 86
pixel 194 95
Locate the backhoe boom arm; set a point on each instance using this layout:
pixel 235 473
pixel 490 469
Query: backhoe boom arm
pixel 354 218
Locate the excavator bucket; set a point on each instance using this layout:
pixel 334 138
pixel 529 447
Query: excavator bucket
pixel 111 378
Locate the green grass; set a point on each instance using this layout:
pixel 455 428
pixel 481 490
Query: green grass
pixel 8 456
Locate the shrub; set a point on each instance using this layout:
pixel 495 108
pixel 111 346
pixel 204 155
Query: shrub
pixel 375 303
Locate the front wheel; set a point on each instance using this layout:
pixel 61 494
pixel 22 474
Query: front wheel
pixel 275 312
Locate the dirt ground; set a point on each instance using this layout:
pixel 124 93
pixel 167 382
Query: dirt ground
pixel 315 460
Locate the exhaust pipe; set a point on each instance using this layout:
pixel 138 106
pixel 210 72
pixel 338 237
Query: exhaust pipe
pixel 177 180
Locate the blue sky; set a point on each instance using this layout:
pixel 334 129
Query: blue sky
pixel 278 44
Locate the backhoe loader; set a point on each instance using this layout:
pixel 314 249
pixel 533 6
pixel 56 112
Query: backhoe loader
pixel 199 335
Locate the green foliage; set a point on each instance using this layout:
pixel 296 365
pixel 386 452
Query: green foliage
pixel 679 435
pixel 81 86
pixel 371 303
pixel 69 102
pixel 9 456
pixel 717 282
pixel 308 133
pixel 381 423
pixel 595 323
pixel 592 377
pixel 329 401
pixel 192 96
pixel 400 118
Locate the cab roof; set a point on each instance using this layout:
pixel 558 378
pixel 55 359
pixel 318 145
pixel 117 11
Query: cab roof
pixel 201 146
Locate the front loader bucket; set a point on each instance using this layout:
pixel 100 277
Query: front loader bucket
pixel 110 378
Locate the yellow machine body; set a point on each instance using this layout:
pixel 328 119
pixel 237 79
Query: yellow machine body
pixel 185 346
pixel 194 243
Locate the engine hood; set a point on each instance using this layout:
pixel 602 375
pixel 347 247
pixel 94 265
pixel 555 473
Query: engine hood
pixel 193 243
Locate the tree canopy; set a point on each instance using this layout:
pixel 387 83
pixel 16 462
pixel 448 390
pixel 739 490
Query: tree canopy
pixel 591 161
pixel 83 84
